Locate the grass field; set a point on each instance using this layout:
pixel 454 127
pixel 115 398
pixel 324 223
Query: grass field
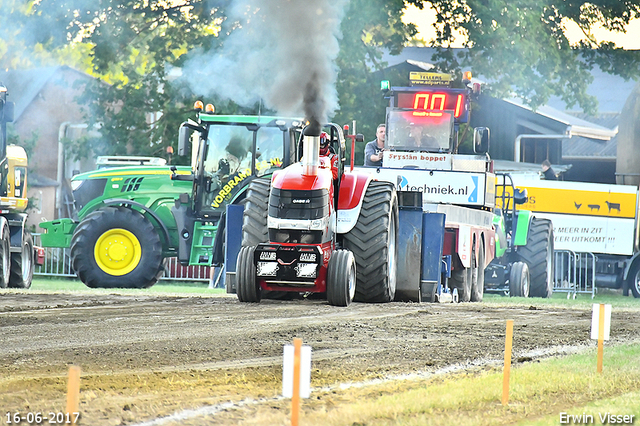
pixel 541 393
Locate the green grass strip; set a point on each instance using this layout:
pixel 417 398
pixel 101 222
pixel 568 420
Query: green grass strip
pixel 539 393
pixel 162 287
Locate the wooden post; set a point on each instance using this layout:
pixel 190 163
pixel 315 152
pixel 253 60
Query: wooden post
pixel 295 398
pixel 73 394
pixel 507 363
pixel 600 337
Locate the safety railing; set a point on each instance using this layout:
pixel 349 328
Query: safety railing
pixel 575 273
pixel 57 263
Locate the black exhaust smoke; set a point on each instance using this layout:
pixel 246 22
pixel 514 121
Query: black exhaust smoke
pixel 278 52
pixel 314 106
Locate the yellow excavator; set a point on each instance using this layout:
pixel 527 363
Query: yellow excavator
pixel 17 251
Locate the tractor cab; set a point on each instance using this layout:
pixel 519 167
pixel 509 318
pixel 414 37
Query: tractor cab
pixel 229 151
pixel 423 132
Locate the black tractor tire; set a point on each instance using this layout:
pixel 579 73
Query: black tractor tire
pixel 248 289
pixel 341 278
pixel 5 257
pixel 519 280
pixel 373 242
pixel 633 279
pixel 22 264
pixel 140 250
pixel 256 208
pixel 461 280
pixel 477 275
pixel 539 256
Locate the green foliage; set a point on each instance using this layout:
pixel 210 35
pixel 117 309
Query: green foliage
pixel 520 46
pixel 368 27
pixel 133 46
pixel 38 34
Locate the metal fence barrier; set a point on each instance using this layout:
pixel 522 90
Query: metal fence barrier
pixel 575 273
pixel 57 263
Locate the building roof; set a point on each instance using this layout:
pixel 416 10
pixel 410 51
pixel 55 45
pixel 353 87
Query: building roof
pixel 24 85
pixel 506 166
pixel 575 125
pixel 580 147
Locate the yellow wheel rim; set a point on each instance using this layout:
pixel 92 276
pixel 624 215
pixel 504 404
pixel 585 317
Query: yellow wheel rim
pixel 117 252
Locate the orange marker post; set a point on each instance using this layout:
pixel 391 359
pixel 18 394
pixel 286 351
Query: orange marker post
pixel 507 363
pixel 600 337
pixel 73 394
pixel 295 398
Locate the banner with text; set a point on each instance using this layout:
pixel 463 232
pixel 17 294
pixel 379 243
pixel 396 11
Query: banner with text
pixel 592 234
pixel 438 186
pixel 417 160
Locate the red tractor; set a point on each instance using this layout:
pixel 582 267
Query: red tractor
pixel 316 228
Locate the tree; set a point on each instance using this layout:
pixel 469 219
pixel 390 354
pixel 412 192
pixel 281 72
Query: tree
pixel 29 37
pixel 134 46
pixel 369 27
pixel 135 43
pixel 520 46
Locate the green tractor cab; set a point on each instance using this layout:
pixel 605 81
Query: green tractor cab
pixel 130 219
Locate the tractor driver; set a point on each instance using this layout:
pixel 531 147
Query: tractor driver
pixel 326 151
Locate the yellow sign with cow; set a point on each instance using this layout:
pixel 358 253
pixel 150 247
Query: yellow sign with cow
pixel 586 217
pixel 578 198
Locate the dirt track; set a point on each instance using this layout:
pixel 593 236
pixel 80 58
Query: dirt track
pixel 148 357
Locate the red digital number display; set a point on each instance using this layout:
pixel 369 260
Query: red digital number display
pixel 434 101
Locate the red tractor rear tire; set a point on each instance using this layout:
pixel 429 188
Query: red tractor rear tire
pixel 373 242
pixel 254 218
pixel 341 278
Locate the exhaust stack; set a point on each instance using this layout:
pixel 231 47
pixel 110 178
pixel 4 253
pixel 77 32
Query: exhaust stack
pixel 311 150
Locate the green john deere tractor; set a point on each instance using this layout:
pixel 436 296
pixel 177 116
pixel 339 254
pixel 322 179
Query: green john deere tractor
pixel 130 219
pixel 524 261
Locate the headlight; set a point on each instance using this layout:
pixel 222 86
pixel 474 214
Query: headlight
pixel 317 225
pixel 75 184
pixel 267 269
pixel 306 270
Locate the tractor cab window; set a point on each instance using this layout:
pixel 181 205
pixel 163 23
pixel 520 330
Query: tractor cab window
pixel 411 130
pixel 228 160
pixel 228 151
pixel 269 150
